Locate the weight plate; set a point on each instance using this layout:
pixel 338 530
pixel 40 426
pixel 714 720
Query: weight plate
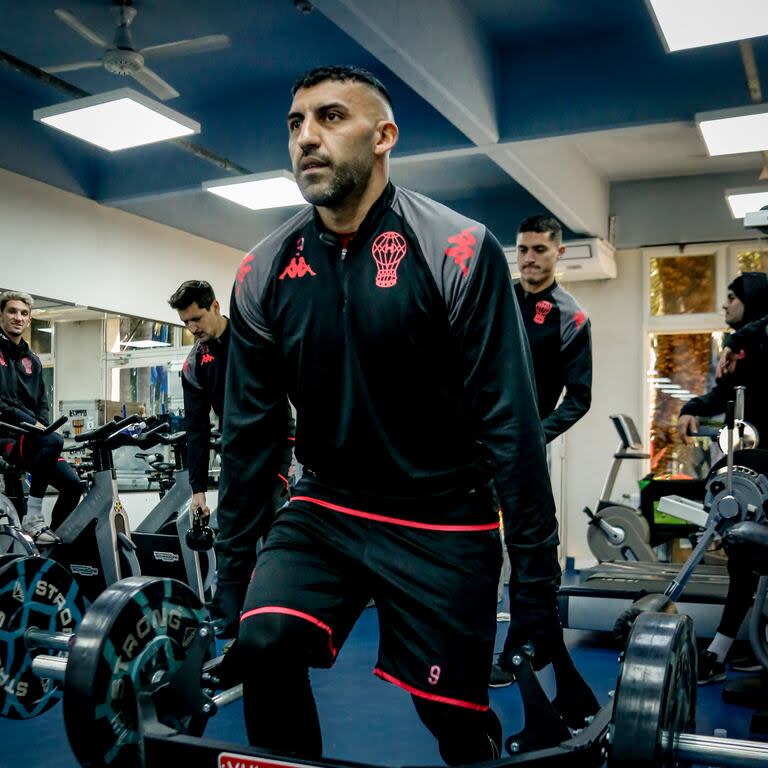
pixel 636 536
pixel 137 628
pixel 656 691
pixel 34 592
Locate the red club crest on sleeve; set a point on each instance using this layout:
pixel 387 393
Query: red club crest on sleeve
pixel 579 318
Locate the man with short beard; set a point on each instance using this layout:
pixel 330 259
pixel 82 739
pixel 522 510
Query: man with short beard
pixel 390 322
pixel 23 400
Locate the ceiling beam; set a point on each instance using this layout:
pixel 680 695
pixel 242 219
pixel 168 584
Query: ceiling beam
pixel 442 52
pixel 559 176
pixel 437 48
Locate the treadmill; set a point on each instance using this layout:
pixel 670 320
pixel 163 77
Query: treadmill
pixel 605 590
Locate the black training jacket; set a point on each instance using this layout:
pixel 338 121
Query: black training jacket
pixel 203 383
pixel 22 392
pixel 405 358
pixel 561 347
pixel 202 380
pixel 750 342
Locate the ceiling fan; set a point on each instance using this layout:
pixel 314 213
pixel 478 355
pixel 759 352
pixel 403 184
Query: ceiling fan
pixel 121 58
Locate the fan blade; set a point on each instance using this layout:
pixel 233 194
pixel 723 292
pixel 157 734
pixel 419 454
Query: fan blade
pixel 75 24
pixel 154 83
pixel 72 67
pixel 185 47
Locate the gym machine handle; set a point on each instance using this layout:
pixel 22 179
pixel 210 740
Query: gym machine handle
pixel 107 429
pixel 26 428
pixel 173 438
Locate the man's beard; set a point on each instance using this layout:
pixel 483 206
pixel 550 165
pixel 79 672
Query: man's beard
pixel 347 178
pixel 11 334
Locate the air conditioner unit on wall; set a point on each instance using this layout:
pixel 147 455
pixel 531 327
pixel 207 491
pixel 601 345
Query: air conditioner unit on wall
pixel 588 259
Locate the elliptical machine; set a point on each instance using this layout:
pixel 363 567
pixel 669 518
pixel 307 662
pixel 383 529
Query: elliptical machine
pixel 617 531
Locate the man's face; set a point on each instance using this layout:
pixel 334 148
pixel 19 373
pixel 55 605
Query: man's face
pixel 332 129
pixel 733 308
pixel 537 256
pixel 14 318
pixel 202 323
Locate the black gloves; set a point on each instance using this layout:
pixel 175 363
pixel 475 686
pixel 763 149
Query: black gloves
pixel 534 620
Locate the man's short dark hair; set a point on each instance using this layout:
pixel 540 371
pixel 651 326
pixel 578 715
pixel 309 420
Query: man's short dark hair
pixel 340 74
pixel 542 222
pixel 193 292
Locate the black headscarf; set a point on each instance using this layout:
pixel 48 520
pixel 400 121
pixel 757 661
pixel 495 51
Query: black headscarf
pixel 751 288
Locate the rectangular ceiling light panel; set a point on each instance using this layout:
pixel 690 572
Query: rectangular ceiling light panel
pixel 730 131
pixel 695 23
pixel 258 191
pixel 747 200
pixel 118 120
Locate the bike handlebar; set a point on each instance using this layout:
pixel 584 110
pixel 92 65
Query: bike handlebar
pixel 106 430
pixel 26 428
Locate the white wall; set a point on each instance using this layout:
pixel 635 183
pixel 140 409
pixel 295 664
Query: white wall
pixel 62 246
pixel 616 311
pixel 79 353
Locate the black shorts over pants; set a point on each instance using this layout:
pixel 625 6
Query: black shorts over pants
pixel 434 588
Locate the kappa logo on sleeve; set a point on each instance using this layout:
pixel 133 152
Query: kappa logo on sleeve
pixel 244 268
pixel 462 248
pixel 579 318
pixel 3 364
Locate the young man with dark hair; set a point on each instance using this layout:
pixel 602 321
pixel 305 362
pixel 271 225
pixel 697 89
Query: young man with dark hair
pixel 391 323
pixel 23 400
pixel 202 377
pixel 203 385
pixel 558 332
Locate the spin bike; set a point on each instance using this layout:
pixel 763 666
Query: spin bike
pixel 165 544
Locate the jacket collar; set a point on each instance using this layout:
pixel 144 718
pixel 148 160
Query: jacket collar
pixel 372 218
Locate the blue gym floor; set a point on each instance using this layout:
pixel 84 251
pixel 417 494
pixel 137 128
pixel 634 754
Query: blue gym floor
pixel 367 720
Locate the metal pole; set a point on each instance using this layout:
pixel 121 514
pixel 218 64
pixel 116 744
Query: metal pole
pixel 52 667
pixel 228 696
pixel 715 750
pixel 52 641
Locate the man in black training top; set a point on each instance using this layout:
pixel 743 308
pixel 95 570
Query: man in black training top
pixel 559 335
pixel 203 385
pixel 23 400
pixel 391 323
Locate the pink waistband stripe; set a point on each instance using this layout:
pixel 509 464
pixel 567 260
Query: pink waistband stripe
pixel 431 696
pixel 396 520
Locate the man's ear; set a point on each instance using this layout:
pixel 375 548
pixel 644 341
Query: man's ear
pixel 387 133
pixel 215 307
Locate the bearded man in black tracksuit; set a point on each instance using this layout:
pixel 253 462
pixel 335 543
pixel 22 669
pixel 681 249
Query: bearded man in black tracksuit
pixel 558 331
pixel 391 323
pixel 746 302
pixel 23 400
pixel 202 382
